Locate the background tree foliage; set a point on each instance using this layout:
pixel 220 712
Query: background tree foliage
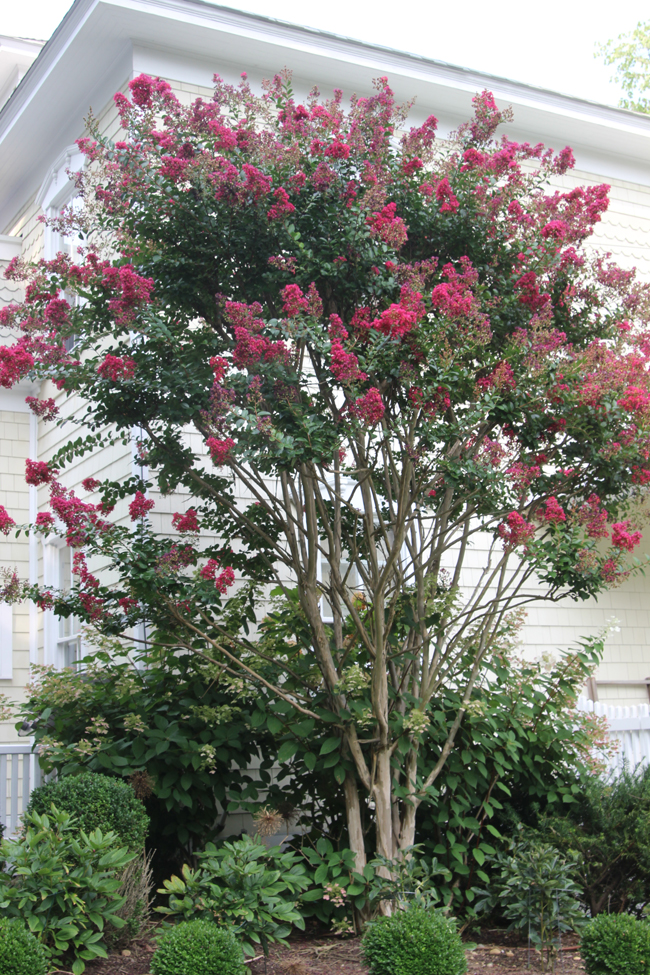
pixel 631 55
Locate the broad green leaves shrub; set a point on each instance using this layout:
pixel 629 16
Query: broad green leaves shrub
pixel 414 941
pixel 532 886
pixel 20 952
pixel 198 947
pixel 616 944
pixel 243 885
pixel 64 883
pixel 96 802
pixel 177 728
pixel 607 832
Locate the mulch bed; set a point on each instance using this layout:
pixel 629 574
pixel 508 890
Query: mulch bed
pixel 498 953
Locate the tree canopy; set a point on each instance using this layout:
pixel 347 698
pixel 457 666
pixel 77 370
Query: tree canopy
pixel 421 400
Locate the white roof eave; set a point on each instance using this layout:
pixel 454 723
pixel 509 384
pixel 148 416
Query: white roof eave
pixel 91 54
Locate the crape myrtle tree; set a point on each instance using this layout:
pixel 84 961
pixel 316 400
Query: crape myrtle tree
pixel 394 350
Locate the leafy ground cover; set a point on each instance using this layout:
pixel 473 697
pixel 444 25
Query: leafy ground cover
pixel 314 953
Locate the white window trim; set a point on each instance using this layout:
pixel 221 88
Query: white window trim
pixel 6 641
pixel 57 190
pixel 53 642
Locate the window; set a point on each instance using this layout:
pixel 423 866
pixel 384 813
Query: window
pixel 62 635
pixel 57 192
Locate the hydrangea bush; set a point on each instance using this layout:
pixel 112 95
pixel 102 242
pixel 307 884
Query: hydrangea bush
pixel 394 348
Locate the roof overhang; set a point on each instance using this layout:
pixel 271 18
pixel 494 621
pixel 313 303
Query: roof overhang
pixel 100 43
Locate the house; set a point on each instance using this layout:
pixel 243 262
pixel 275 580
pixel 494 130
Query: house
pixel 98 47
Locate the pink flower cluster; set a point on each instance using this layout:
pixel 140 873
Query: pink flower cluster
pixel 445 195
pixel 623 538
pixel 90 484
pixel 115 367
pixel 44 520
pixel 187 522
pixel 143 88
pixel 635 400
pixel 223 580
pixel 134 291
pixel 220 450
pixel 345 365
pixel 251 349
pixel 399 319
pixel 75 514
pixel 80 568
pixel 515 530
pixel 15 362
pixel 220 367
pixel 370 408
pixel 554 511
pixel 594 517
pixel 296 303
pixel 140 506
pixel 282 206
pixel 38 472
pixel 6 521
pixel 44 408
pixel 388 226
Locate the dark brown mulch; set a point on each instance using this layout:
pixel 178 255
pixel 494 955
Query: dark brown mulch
pixel 498 953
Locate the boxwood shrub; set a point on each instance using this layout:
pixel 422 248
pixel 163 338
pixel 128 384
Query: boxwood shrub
pixel 415 941
pixel 616 944
pixel 97 801
pixel 20 952
pixel 198 948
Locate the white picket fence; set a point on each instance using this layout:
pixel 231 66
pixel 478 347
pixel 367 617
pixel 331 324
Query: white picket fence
pixel 630 726
pixel 19 774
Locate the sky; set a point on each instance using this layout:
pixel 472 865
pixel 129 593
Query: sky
pixel 550 44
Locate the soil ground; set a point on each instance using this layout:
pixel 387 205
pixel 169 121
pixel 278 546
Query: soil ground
pixel 498 953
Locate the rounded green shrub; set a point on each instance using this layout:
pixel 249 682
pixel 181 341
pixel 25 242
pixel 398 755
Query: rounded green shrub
pixel 198 948
pixel 415 941
pixel 616 944
pixel 98 802
pixel 20 952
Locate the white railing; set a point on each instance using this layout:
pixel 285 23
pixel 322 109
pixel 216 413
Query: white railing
pixel 19 774
pixel 630 726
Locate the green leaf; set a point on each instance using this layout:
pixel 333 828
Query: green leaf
pixel 287 750
pixel 329 745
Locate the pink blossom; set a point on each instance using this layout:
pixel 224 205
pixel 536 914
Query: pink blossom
pixel 126 603
pixel 140 506
pixel 6 521
pixel 115 367
pixel 345 365
pixel 515 530
pixel 282 206
pixel 411 166
pixel 90 484
pixel 209 569
pixel 338 150
pixel 623 538
pixel 38 472
pixel 609 570
pixel 445 195
pixel 187 522
pixel 388 227
pixel 554 511
pixel 44 519
pixel 635 400
pixel 220 367
pixel 593 517
pixel 44 408
pixel 224 580
pixel 219 450
pixel 133 292
pixel 294 301
pixel 15 362
pixel 369 408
